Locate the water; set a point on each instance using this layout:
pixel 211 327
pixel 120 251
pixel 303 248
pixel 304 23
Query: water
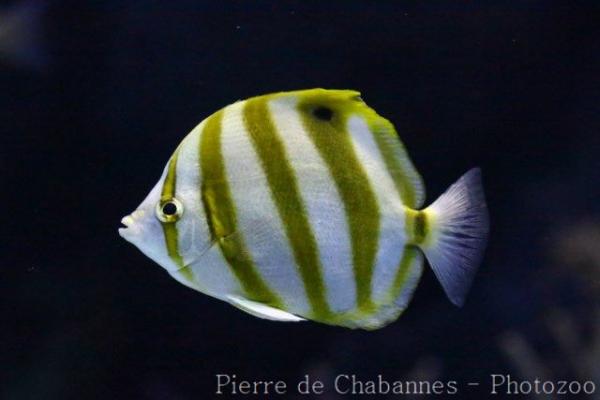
pixel 512 90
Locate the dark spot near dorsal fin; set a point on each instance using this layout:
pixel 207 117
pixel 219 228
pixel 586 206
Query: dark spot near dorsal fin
pixel 323 113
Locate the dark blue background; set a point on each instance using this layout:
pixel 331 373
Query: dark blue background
pixel 513 89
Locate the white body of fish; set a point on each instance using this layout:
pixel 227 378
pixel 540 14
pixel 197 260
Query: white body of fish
pixel 305 205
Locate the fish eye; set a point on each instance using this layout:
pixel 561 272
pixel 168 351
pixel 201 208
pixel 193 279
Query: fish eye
pixel 169 210
pixel 323 113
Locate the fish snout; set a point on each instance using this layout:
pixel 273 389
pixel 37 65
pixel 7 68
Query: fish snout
pixel 131 224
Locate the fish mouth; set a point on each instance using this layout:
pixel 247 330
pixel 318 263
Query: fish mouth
pixel 127 221
pixel 130 227
pixel 125 230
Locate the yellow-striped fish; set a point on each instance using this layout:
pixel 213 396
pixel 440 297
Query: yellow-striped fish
pixel 305 205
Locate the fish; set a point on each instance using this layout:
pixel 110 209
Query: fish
pixel 304 205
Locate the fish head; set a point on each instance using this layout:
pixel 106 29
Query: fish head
pixel 143 229
pixel 169 228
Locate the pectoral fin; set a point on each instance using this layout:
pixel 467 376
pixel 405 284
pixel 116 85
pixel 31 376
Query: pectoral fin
pixel 263 311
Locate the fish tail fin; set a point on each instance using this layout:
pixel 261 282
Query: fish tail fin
pixel 457 226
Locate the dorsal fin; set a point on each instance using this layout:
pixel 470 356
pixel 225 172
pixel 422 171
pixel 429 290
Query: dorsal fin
pixel 349 102
pixel 322 102
pixel 408 181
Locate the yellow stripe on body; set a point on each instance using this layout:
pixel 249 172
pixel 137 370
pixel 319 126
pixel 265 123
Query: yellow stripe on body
pixel 221 215
pixel 285 192
pixel 170 228
pixel 332 140
pixel 322 204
